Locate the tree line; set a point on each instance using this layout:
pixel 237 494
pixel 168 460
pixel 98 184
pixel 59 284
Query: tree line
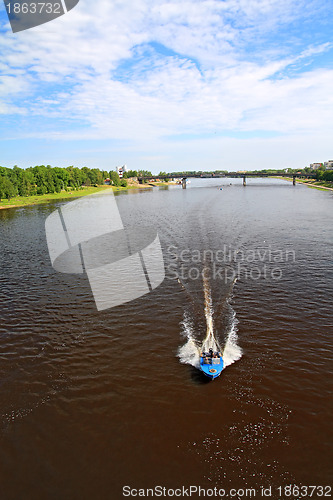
pixel 43 179
pixel 324 175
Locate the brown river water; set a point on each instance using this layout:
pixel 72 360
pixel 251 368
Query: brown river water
pixel 92 401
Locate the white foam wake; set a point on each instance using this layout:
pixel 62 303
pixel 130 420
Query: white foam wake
pixel 189 353
pixel 232 352
pixel 210 341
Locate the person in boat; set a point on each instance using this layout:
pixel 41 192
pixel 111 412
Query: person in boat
pixel 205 357
pixel 211 352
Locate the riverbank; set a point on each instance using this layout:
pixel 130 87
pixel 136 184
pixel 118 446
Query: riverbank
pixel 21 201
pixel 323 185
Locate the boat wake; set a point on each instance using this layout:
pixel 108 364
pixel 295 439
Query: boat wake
pixel 189 353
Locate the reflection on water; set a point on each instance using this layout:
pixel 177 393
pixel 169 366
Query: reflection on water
pixel 93 401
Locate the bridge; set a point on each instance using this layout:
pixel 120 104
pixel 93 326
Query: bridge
pixel 231 175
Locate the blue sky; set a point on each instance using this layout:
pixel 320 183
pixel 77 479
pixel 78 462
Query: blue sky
pixel 169 85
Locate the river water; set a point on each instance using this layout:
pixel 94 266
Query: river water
pixel 93 401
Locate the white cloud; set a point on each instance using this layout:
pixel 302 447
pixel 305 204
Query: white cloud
pixel 213 82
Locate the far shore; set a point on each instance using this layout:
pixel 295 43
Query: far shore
pixel 23 201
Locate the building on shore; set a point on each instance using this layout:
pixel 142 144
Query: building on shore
pixel 121 170
pixel 328 165
pixel 315 166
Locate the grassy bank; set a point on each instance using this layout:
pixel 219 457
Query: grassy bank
pixel 20 201
pixel 322 185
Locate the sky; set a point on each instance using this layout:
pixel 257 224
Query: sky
pixel 170 86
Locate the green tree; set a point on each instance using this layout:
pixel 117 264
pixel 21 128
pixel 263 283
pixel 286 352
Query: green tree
pixel 50 180
pixel 61 178
pixel 85 175
pixel 40 174
pixel 43 179
pixel 7 188
pixel 76 177
pixel 114 178
pixel 27 186
pixel 328 175
pixel 145 173
pixel 99 176
pixel 130 173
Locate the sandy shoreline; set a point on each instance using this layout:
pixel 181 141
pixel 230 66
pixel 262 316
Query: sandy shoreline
pixel 316 186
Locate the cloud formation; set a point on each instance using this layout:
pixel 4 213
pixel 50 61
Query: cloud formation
pixel 160 74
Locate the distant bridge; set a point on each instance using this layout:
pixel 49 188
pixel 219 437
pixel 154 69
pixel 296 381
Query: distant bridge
pixel 232 175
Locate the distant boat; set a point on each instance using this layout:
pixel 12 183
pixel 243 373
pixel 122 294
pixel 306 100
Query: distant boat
pixel 211 363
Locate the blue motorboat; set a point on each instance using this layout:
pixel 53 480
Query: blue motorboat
pixel 211 363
